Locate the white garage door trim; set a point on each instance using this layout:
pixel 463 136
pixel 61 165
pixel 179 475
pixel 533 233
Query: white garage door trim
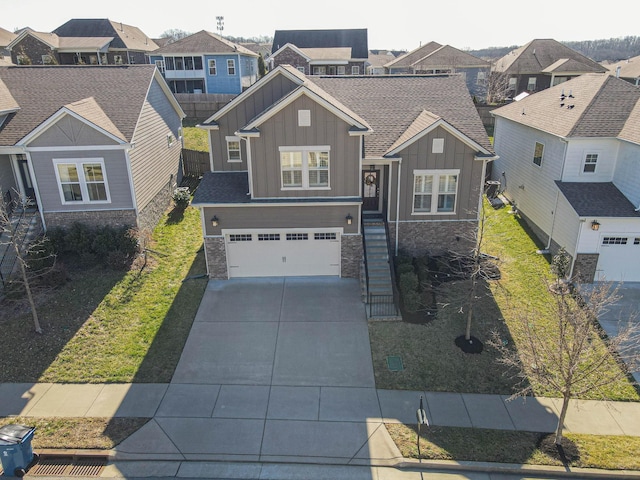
pixel 619 259
pixel 283 252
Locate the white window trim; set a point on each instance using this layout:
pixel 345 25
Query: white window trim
pixel 584 163
pixel 533 157
pixel 79 162
pixel 215 67
pixel 437 145
pixel 305 166
pixel 231 64
pixel 341 70
pixel 435 192
pixel 355 69
pixel 233 139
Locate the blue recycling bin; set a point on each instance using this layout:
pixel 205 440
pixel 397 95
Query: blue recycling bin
pixel 16 452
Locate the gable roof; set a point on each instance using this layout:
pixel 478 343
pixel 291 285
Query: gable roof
pixel 119 92
pixel 89 109
pixel 204 42
pixel 56 42
pixel 7 102
pixel 357 39
pixel 629 68
pixel 413 56
pixel 6 37
pixel 327 54
pixel 595 105
pixel 125 36
pixel 537 55
pixel 393 104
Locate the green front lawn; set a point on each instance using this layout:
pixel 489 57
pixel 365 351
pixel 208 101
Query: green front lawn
pixel 433 362
pixel 109 326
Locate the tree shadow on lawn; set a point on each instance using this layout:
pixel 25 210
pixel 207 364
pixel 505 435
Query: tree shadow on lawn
pixel 62 312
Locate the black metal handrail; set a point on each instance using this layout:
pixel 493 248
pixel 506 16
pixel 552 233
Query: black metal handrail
pixel 9 257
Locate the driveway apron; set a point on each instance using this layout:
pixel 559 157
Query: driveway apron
pixel 274 369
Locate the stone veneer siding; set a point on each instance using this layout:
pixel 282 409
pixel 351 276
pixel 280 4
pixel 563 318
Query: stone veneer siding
pixel 351 253
pixel 99 218
pixel 420 238
pixel 149 216
pixel 216 257
pixel 584 268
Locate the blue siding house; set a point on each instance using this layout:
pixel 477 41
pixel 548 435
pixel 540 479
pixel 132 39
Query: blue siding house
pixel 206 63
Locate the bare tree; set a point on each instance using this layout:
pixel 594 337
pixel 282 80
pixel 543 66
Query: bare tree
pixel 570 354
pixel 497 87
pixel 174 34
pixel 30 256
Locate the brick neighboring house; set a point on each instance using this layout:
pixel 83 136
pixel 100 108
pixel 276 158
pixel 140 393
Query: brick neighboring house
pixel 83 41
pixel 433 58
pixel 321 52
pixel 94 144
pixel 540 64
pixel 570 161
pixel 298 163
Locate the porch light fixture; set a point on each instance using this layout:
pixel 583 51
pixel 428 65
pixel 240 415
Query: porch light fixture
pixel 214 221
pixel 349 219
pixel 595 225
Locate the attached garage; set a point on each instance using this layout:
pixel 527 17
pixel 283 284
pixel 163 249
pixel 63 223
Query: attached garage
pixel 283 252
pixel 619 258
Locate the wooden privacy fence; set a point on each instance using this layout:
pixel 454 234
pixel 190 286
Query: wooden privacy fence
pixel 195 163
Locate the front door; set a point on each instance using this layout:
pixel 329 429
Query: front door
pixel 25 176
pixel 371 190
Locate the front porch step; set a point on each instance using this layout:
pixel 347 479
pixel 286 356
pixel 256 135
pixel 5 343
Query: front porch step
pixel 379 281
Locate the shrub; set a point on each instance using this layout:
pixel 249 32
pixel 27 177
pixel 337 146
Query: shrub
pixel 181 197
pixel 404 268
pixel 78 239
pixel 412 301
pixel 408 282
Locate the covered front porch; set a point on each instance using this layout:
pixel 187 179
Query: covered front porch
pixel 16 185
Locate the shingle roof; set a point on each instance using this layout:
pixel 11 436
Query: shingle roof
pixel 333 53
pixel 204 42
pixel 222 187
pixel 91 111
pixel 597 199
pixel 6 37
pixel 538 54
pixel 355 38
pixel 427 57
pixel 596 105
pixel 41 91
pixel 126 36
pixel 7 102
pixel 391 104
pixel 629 68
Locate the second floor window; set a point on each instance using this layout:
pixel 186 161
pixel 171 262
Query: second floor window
pixel 212 67
pixel 304 167
pixel 590 162
pixel 233 149
pixel 231 67
pixel 355 70
pixel 538 153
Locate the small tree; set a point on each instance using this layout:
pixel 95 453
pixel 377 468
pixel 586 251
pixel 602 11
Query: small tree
pixel 560 265
pixel 569 354
pixel 32 258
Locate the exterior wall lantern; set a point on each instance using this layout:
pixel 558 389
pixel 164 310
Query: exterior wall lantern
pixel 349 219
pixel 595 226
pixel 214 221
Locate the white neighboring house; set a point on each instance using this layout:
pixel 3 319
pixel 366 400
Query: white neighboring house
pixel 569 158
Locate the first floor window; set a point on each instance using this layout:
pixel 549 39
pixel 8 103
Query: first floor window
pixel 82 180
pixel 304 167
pixel 435 191
pixel 233 149
pixel 590 162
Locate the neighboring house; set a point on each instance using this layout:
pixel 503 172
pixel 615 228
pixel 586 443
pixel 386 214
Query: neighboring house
pixel 99 145
pixel 570 161
pixel 6 37
pixel 206 63
pixel 297 162
pixel 82 42
pixel 433 58
pixel 321 52
pixel 538 65
pixel 628 70
pixel 377 60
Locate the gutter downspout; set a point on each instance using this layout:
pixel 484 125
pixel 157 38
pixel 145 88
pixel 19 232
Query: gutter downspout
pixel 249 170
pixel 398 205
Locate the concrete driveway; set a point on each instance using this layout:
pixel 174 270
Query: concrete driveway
pixel 618 314
pixel 273 369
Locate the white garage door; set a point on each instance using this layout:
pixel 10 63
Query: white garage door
pixel 283 253
pixel 619 258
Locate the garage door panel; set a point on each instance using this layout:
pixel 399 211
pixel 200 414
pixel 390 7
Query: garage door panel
pixel 619 258
pixel 283 253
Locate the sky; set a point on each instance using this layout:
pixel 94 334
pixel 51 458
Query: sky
pixel 399 25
